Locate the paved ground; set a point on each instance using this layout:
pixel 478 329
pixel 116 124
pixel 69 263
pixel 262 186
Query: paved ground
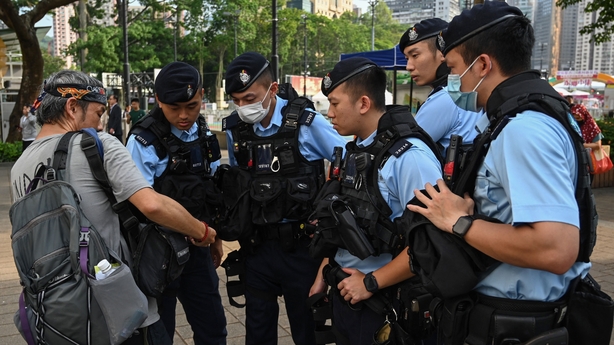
pixel 603 271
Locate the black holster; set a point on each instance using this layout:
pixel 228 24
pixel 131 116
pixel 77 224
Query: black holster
pixel 501 321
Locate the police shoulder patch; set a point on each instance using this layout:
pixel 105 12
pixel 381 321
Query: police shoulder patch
pixel 230 121
pixel 399 147
pixel 307 117
pixel 145 137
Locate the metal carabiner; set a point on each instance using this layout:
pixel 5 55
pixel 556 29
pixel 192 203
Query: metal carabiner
pixel 273 163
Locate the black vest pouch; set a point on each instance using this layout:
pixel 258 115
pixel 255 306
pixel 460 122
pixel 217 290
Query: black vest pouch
pixel 188 190
pixel 236 220
pixel 589 314
pixel 268 200
pixel 301 192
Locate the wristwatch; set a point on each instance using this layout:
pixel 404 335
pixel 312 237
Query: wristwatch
pixel 462 226
pixel 371 283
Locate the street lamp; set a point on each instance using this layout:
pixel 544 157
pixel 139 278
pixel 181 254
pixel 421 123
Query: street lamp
pixel 126 71
pixel 235 15
pixel 372 3
pixel 304 16
pixel 274 56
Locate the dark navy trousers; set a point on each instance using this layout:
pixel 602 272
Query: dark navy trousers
pixel 197 290
pixel 273 272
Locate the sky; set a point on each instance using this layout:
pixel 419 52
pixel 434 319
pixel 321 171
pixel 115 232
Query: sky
pixel 48 20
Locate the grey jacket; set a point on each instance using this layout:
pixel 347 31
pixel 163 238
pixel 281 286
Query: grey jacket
pixel 28 127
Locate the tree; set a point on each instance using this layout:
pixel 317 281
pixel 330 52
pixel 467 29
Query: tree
pixel 31 11
pixel 51 64
pixel 601 29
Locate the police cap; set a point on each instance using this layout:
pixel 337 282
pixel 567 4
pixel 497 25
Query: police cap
pixel 475 20
pixel 421 31
pixel 344 70
pixel 177 82
pixel 244 70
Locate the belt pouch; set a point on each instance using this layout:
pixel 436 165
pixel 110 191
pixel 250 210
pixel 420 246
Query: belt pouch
pixel 454 321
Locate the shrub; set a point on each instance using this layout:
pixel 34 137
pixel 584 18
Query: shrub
pixel 9 152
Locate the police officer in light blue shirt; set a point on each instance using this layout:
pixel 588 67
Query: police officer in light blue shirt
pixel 277 147
pixel 527 181
pixel 439 116
pixel 175 151
pixel 355 89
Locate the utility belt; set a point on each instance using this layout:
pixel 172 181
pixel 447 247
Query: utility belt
pixel 287 234
pixel 485 320
pixel 391 331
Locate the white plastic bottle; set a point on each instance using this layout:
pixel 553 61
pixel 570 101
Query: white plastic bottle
pixel 104 269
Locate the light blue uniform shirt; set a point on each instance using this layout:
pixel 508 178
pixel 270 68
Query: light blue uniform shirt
pixel 529 175
pixel 440 117
pixel 397 180
pixel 315 142
pixel 147 160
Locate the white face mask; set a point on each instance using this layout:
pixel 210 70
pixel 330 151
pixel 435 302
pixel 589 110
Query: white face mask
pixel 464 100
pixel 254 113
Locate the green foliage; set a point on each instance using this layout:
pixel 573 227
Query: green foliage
pixel 206 37
pixel 607 129
pixel 9 152
pixel 52 64
pixel 602 29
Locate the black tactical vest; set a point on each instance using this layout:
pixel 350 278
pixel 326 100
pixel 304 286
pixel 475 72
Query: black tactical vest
pixel 187 178
pixel 284 183
pixel 359 187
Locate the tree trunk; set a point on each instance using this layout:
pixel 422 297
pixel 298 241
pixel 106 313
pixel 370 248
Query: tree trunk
pixel 31 79
pixel 220 71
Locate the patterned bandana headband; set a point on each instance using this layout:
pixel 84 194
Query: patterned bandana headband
pixel 88 93
pixel 81 92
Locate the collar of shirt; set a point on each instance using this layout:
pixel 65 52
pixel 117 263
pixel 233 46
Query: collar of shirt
pixel 277 117
pixel 482 124
pixel 367 141
pixel 187 136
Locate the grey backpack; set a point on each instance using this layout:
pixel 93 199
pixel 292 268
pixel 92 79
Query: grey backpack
pixel 55 248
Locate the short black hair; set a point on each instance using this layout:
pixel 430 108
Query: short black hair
pixel 372 83
pixel 112 95
pixel 134 100
pixel 266 78
pixel 510 43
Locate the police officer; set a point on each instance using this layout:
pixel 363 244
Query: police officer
pixel 355 89
pixel 527 181
pixel 175 151
pixel 439 116
pixel 279 148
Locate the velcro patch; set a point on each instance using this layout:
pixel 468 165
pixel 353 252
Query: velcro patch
pixel 399 147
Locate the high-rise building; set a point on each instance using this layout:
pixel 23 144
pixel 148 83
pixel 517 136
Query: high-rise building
pixel 526 6
pixel 547 27
pixel 589 55
pixel 331 8
pixel 569 36
pixel 411 12
pixel 63 35
pixel 304 5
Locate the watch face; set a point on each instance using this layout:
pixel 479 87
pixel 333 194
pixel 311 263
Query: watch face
pixel 462 225
pixel 370 283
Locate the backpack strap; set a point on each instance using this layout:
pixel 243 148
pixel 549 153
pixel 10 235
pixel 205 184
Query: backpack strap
pixel 92 148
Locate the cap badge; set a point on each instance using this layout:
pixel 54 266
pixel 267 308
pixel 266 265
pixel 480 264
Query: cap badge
pixel 327 81
pixel 244 77
pixel 190 91
pixel 413 34
pixel 441 42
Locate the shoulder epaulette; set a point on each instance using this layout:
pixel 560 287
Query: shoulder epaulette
pixel 307 117
pixel 144 136
pixel 399 147
pixel 230 121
